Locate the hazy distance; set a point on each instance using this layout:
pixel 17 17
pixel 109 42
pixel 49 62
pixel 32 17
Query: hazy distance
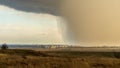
pixel 93 21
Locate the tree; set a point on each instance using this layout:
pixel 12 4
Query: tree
pixel 4 46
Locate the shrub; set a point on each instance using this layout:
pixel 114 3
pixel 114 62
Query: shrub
pixel 4 46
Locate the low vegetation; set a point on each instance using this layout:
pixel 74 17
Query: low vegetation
pixel 58 59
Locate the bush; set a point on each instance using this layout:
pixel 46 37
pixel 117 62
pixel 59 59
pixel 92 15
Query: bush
pixel 4 46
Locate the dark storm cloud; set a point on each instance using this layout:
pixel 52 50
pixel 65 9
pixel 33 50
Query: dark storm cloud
pixel 35 6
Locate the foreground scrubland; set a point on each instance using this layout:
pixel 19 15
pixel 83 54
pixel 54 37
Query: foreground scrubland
pixel 58 59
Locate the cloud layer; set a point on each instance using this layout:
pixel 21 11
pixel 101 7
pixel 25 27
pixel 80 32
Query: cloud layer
pixel 36 6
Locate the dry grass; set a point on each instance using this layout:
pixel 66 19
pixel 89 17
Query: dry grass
pixel 57 59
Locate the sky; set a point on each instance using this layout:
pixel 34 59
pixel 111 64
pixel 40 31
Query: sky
pixel 21 27
pixel 90 21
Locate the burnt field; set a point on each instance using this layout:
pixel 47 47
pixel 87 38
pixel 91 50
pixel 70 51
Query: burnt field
pixel 19 58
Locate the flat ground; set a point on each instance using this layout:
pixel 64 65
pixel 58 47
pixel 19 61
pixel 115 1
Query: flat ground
pixel 82 49
pixel 17 58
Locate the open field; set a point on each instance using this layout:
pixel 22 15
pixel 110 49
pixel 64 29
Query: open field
pixel 82 49
pixel 17 58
